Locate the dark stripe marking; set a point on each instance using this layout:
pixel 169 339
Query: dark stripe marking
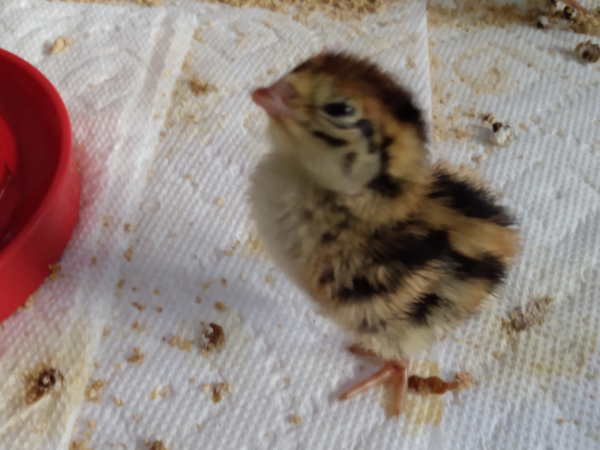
pixel 333 141
pixel 413 252
pixel 422 309
pixel 488 267
pixel 470 200
pixel 362 289
pixel 366 128
pixel 383 183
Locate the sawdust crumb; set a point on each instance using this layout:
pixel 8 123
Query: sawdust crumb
pixel 176 341
pixel 220 201
pixel 78 445
pixel 154 393
pixel 156 291
pixel 94 390
pixel 164 393
pixel 588 51
pixel 137 357
pixel 199 87
pixel 135 325
pixel 560 421
pixel 137 418
pixel 128 254
pixel 198 299
pixel 159 309
pixel 221 307
pixel 93 262
pixel 158 445
pixel 534 313
pixel 464 380
pixel 215 338
pixel 206 388
pixel 128 227
pixel 118 401
pixel 105 332
pixel 92 424
pixel 61 43
pixel 220 390
pixel 55 271
pixel 496 355
pixel 138 306
pixel 296 419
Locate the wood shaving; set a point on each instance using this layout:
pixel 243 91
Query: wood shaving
pixel 158 445
pixel 220 391
pixel 295 419
pixel 60 44
pixel 137 357
pixel 154 393
pixel 215 338
pixel 534 313
pixel 138 306
pixel 94 391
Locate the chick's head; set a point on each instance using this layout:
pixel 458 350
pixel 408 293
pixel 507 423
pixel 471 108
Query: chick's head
pixel 341 117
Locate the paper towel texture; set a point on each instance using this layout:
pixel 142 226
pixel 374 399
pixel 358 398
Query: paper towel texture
pixel 166 136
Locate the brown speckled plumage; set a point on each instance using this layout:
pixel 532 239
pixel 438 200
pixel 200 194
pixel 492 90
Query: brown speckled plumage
pixel 395 250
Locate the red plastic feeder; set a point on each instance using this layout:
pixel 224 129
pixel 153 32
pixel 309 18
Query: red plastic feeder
pixel 39 184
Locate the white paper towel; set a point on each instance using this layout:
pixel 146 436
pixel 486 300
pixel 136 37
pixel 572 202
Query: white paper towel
pixel 537 388
pixel 174 165
pixel 166 136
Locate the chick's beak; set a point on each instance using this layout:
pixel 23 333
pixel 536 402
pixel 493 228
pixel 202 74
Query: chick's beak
pixel 273 99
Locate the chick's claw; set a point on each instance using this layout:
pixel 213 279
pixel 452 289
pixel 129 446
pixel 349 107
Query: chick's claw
pixel 391 371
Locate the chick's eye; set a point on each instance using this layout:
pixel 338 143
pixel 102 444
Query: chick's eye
pixel 339 109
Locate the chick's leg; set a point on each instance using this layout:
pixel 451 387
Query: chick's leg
pixel 397 372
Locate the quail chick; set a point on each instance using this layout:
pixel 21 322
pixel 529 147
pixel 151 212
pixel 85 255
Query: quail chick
pixel 395 250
